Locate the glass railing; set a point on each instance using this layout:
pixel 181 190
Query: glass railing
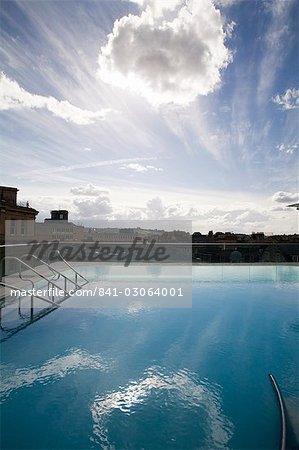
pixel 170 253
pixel 248 253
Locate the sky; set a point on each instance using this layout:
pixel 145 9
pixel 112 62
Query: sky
pixel 153 109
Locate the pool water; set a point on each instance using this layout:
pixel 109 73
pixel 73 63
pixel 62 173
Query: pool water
pixel 140 378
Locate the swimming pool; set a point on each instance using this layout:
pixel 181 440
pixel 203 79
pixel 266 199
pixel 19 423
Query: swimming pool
pixel 157 378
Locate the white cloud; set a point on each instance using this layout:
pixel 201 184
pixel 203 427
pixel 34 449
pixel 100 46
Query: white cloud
pixel 279 208
pixel 225 219
pixel 93 207
pixel 287 148
pixel 251 216
pixel 93 201
pixel 129 214
pixel 288 100
pixel 13 96
pixel 141 168
pixel 157 7
pixel 237 220
pixel 157 209
pixel 241 216
pixel 168 57
pixel 284 197
pixel 89 190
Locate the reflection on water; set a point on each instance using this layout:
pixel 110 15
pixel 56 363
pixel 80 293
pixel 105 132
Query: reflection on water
pixel 294 326
pixel 155 379
pixel 161 394
pixel 292 411
pixel 55 368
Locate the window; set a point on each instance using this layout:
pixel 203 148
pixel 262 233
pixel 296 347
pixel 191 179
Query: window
pixel 23 227
pixel 12 227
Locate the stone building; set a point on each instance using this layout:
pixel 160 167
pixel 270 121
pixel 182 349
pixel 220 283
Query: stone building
pixel 57 227
pixel 16 220
pixel 16 224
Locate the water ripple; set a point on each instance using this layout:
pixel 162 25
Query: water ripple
pixel 176 393
pixel 53 369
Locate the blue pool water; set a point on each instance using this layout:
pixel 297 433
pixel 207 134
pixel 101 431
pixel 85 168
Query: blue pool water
pixel 145 378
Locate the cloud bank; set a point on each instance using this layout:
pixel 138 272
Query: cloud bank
pixel 93 202
pixel 169 53
pixel 13 96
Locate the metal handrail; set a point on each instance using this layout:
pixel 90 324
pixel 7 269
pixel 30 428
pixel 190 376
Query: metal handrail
pixel 50 282
pixel 35 296
pixel 55 272
pixel 31 318
pixel 32 285
pixel 71 267
pixel 282 413
pixel 19 305
pixel 14 258
pixel 42 276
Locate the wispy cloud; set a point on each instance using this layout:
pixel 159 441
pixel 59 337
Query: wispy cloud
pixel 287 148
pixel 135 167
pixel 88 190
pixel 109 162
pixel 13 96
pixel 274 45
pixel 288 100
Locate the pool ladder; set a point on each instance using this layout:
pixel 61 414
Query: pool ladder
pixel 283 445
pixel 51 283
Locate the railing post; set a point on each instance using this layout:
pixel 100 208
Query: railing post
pixel 31 308
pixel 2 261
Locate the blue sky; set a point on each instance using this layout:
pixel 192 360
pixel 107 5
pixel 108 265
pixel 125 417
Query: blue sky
pixel 153 109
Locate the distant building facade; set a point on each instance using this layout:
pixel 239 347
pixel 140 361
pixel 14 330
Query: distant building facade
pixel 121 234
pixel 16 220
pixel 57 227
